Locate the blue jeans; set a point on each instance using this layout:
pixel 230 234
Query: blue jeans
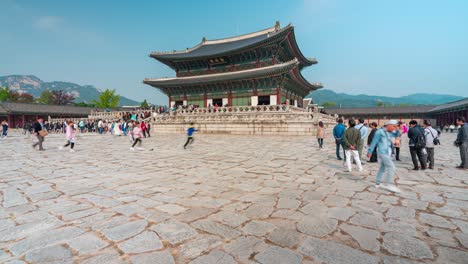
pixel 338 151
pixel 101 129
pixel 386 166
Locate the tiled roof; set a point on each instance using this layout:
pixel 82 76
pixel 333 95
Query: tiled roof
pixel 30 108
pixel 448 106
pixel 3 111
pixel 217 77
pixel 221 46
pixel 381 110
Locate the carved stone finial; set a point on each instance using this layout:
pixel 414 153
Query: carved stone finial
pixel 277 25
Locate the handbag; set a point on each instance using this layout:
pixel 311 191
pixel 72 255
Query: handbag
pixel 338 141
pixel 43 133
pixel 436 140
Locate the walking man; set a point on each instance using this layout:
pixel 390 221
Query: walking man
pixel 352 139
pixel 417 145
pixel 363 131
pixel 431 138
pixel 462 142
pixel 38 127
pixel 338 132
pixel 383 142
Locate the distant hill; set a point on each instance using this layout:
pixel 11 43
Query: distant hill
pixel 347 101
pixel 33 85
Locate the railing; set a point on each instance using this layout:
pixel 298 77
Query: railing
pixel 238 109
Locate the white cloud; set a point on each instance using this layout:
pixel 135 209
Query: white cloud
pixel 48 23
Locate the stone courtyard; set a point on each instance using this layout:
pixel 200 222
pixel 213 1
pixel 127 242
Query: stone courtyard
pixel 226 199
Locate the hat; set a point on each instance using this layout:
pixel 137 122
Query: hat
pixel 391 122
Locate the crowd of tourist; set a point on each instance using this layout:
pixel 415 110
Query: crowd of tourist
pixel 384 144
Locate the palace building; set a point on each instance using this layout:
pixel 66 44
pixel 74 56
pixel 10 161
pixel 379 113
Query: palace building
pixel 259 68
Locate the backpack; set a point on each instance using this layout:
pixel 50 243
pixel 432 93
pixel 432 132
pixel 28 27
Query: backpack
pixel 420 140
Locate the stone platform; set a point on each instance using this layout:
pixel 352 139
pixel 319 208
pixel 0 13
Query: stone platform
pixel 247 120
pixel 226 199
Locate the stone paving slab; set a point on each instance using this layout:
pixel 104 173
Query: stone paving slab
pixel 226 199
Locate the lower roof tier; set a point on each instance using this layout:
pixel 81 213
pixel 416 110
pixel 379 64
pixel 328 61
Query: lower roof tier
pixel 285 75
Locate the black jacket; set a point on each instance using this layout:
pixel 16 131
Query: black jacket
pixel 413 133
pixel 371 136
pixel 37 127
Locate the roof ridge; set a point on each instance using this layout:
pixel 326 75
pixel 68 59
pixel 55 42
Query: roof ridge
pixel 275 29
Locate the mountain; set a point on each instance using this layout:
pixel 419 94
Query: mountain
pixel 33 85
pixel 348 101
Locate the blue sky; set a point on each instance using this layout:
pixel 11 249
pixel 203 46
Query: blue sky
pixel 390 48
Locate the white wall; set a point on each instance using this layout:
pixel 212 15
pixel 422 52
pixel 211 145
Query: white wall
pixel 209 102
pixel 254 100
pixel 273 99
pixel 185 102
pixel 225 101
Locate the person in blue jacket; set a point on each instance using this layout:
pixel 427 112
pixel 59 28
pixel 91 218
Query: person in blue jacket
pixel 338 132
pixel 190 130
pixel 383 141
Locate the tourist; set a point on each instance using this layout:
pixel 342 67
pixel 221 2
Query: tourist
pixel 362 128
pixel 373 157
pixel 137 135
pixel 190 130
pixel 148 128
pixel 4 129
pixel 338 132
pixel 462 142
pixel 100 126
pixel 320 134
pixel 397 141
pixel 130 131
pixel 70 134
pixel 143 128
pixel 40 132
pixel 81 124
pixel 452 128
pixel 431 140
pixel 383 143
pixel 352 139
pixel 417 145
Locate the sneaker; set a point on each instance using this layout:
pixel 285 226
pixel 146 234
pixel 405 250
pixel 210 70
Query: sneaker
pixel 378 185
pixel 72 150
pixel 392 188
pixel 132 149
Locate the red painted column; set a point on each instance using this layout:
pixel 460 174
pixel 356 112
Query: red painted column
pixel 278 96
pixel 205 97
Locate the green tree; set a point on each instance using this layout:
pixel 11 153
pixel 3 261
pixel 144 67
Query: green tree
pixel 144 105
pixel 329 104
pixel 4 94
pixel 107 99
pixel 46 97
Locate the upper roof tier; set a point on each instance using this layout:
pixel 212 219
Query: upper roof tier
pixel 227 46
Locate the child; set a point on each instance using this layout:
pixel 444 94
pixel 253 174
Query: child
pixel 70 133
pixel 320 134
pixel 137 135
pixel 190 131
